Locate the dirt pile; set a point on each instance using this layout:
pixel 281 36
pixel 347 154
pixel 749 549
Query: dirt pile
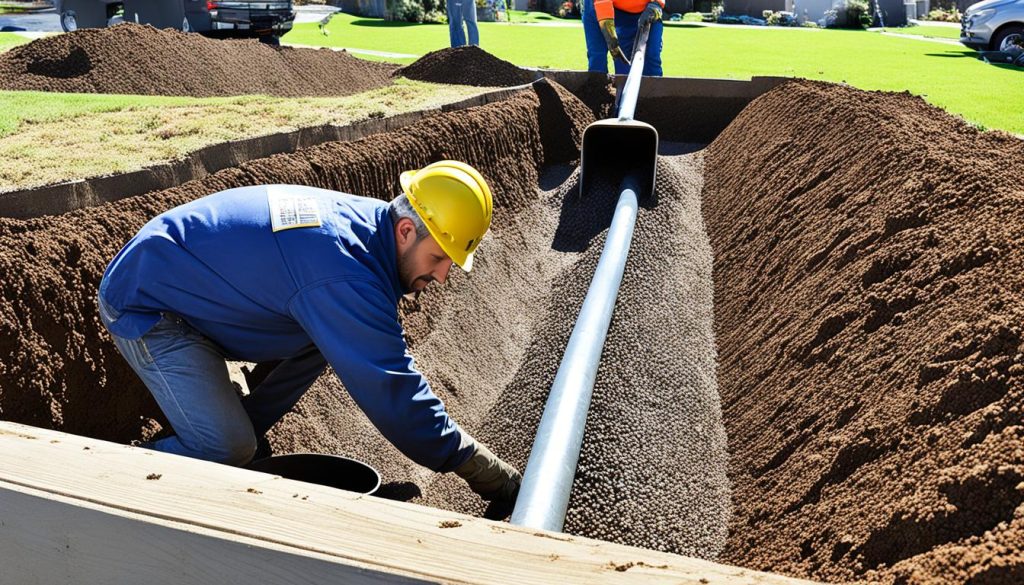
pixel 652 471
pixel 869 271
pixel 139 59
pixel 469 65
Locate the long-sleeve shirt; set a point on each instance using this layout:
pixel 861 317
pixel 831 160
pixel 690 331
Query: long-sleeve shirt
pixel 264 272
pixel 605 9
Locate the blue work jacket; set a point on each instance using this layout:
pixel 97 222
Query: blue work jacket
pixel 264 272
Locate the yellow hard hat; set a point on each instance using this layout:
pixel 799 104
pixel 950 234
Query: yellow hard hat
pixel 454 202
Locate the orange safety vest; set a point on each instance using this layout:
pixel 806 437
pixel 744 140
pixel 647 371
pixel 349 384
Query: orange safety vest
pixel 605 9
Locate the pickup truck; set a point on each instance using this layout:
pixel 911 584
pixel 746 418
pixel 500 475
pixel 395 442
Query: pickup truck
pixel 267 20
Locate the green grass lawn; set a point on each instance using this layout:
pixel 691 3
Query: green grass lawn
pixel 52 137
pixel 34 107
pixel 947 76
pixel 935 32
pixel 9 39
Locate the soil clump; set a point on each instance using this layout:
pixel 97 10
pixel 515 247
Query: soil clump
pixel 141 60
pixel 869 313
pixel 652 471
pixel 469 65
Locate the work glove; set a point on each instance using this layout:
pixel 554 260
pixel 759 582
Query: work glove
pixel 612 40
pixel 650 14
pixel 491 478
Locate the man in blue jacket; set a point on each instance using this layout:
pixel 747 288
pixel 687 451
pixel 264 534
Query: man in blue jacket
pixel 306 277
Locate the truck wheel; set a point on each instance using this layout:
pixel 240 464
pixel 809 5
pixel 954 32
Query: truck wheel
pixel 69 21
pixel 1009 38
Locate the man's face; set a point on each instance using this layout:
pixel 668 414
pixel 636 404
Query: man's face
pixel 420 262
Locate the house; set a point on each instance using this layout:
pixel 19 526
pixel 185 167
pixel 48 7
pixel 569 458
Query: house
pixel 886 12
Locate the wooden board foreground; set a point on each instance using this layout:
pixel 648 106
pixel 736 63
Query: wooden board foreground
pixel 82 511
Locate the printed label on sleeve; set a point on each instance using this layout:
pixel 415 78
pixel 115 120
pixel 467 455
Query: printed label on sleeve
pixel 292 211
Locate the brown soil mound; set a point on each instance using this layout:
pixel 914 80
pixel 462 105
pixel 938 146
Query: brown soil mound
pixel 139 59
pixel 652 471
pixel 469 65
pixel 869 271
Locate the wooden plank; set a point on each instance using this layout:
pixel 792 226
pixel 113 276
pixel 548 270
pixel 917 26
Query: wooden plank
pixel 47 539
pixel 74 509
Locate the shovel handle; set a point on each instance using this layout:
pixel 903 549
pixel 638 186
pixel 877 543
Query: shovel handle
pixel 630 91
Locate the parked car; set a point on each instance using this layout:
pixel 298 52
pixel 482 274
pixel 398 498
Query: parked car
pixel 268 20
pixel 993 25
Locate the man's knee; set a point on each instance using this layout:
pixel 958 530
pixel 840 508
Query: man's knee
pixel 235 449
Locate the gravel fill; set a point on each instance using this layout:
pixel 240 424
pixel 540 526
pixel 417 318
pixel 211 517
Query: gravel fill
pixel 869 271
pixel 141 60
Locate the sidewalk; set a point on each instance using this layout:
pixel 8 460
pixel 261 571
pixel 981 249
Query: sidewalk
pixel 355 51
pixel 935 23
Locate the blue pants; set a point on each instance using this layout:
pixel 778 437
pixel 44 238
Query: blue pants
pixel 625 29
pixel 188 377
pixel 459 11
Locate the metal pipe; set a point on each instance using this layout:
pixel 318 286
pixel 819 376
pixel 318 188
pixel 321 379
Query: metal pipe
pixel 547 482
pixel 631 89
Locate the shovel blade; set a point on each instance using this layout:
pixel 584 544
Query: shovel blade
pixel 613 149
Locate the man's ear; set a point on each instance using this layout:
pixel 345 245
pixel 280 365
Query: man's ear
pixel 405 233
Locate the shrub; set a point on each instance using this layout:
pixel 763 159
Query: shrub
pixel 406 10
pixel 740 19
pixel 829 20
pixel 569 9
pixel 780 18
pixel 951 15
pixel 858 13
pixel 848 14
pixel 416 10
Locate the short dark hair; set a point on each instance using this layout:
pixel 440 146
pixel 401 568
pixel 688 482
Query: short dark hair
pixel 401 207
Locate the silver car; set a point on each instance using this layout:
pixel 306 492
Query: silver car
pixel 993 25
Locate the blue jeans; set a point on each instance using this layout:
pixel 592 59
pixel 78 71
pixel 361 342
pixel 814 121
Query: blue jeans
pixel 625 28
pixel 459 11
pixel 188 377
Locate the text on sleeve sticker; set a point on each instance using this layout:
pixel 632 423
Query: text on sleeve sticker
pixel 292 211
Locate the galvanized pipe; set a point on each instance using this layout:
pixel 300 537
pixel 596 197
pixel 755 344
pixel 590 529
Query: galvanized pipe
pixel 547 482
pixel 631 89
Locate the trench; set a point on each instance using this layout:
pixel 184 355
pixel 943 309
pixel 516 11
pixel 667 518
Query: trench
pixel 815 364
pixel 489 341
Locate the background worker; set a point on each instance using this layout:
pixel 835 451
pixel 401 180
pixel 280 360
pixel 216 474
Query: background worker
pixel 305 277
pixel 460 11
pixel 610 26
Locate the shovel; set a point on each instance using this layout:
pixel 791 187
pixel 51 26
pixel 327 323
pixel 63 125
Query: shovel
pixel 620 148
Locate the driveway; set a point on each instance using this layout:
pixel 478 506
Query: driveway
pixel 46 21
